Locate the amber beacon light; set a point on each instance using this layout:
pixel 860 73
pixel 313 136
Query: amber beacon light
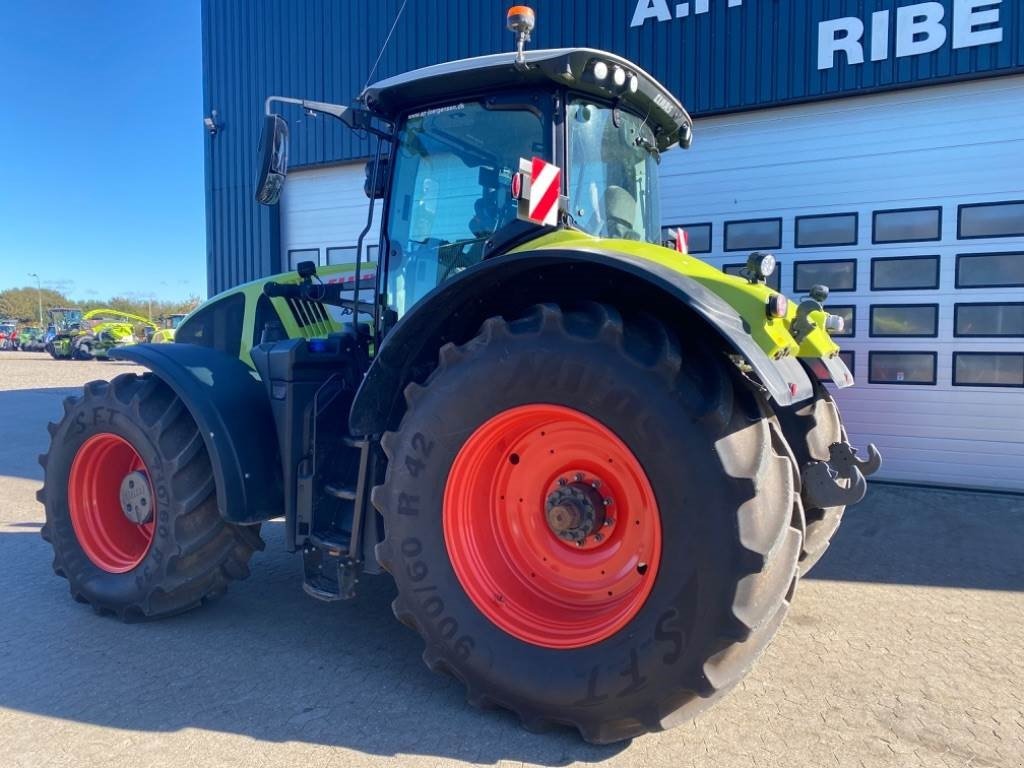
pixel 521 20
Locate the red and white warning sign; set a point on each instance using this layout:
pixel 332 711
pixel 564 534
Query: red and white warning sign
pixel 538 188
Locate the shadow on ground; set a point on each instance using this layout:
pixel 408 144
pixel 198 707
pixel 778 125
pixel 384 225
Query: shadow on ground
pixel 930 537
pixel 265 661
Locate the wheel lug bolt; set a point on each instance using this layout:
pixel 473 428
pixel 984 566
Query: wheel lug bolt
pixel 596 484
pixel 562 481
pixel 606 502
pixel 578 477
pixel 598 537
pixel 608 523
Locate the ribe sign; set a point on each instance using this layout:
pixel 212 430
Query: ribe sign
pixel 920 29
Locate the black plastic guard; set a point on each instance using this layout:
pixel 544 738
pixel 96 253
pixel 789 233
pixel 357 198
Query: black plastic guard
pixel 230 407
pixel 516 280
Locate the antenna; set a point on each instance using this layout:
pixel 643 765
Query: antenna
pixel 521 20
pixel 386 41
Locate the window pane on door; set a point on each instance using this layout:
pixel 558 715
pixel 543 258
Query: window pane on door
pixel 342 255
pixel 989 319
pixel 837 275
pixel 901 367
pixel 904 320
pixel 902 273
pixel 831 229
pixel 751 235
pixel 698 236
pixel 992 220
pixel 903 226
pixel 989 270
pixel 988 369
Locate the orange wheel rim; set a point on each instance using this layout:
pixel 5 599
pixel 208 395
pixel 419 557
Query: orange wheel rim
pixel 552 526
pixel 109 539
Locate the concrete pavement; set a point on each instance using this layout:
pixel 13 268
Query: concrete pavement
pixel 904 648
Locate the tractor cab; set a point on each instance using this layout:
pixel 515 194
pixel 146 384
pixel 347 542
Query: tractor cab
pixel 477 157
pixel 65 319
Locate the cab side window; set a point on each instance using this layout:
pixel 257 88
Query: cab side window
pixel 218 325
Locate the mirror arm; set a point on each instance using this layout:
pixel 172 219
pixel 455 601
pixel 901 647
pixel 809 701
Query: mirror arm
pixel 356 119
pixel 334 110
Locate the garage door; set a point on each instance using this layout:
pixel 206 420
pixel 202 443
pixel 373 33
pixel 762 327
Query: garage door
pixel 323 210
pixel 910 206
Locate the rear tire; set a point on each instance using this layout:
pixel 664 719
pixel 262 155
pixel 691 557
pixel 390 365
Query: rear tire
pixel 810 429
pixel 724 498
pixel 187 553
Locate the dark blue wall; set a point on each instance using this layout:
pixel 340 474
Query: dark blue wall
pixel 757 54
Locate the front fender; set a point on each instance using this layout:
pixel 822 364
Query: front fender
pixel 455 309
pixel 229 404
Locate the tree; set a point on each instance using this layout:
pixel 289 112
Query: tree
pixel 23 303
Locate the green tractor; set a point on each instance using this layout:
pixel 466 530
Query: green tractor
pixel 164 334
pixel 65 325
pixel 594 466
pixel 30 339
pixel 94 334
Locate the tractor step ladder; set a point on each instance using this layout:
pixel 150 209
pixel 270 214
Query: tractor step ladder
pixel 331 559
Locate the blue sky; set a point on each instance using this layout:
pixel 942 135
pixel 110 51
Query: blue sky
pixel 101 185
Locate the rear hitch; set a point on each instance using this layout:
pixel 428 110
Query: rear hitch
pixel 823 480
pixel 843 458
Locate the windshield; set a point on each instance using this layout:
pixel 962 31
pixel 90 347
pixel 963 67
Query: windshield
pixel 613 173
pixel 452 189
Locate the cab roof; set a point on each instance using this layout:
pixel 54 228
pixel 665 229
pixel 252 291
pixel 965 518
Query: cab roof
pixel 566 67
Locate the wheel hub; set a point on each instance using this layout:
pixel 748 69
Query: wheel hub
pixel 575 511
pixel 552 526
pixel 111 502
pixel 136 498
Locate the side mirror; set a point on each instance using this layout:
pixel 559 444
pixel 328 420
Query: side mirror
pixel 273 160
pixel 376 183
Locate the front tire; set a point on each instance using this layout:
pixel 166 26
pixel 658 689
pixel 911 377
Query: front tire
pixel 697 609
pixel 82 348
pixel 811 428
pixel 133 440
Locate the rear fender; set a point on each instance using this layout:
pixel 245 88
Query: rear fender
pixel 229 404
pixel 453 312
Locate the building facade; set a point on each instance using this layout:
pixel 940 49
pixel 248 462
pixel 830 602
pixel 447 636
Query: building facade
pixel 875 146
